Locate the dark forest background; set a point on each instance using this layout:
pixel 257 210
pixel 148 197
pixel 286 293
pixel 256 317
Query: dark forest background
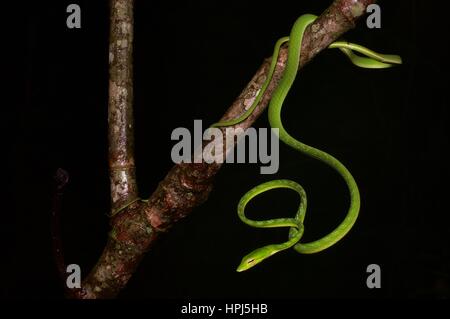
pixel 192 59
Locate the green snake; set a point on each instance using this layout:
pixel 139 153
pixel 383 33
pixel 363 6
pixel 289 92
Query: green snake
pixel 370 60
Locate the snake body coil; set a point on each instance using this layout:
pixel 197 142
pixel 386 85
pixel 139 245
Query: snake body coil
pixel 371 60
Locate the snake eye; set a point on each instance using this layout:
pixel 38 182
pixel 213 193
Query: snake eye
pixel 251 261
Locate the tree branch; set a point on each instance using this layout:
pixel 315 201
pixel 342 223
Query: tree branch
pixel 186 185
pixel 120 107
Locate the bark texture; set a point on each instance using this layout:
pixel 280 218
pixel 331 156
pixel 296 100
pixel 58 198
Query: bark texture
pixel 186 186
pixel 120 106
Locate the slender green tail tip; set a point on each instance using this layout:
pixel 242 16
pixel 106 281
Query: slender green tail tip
pixel 393 59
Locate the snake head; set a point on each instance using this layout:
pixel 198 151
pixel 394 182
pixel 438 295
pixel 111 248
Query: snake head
pixel 255 257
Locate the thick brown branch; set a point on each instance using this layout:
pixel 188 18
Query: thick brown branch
pixel 188 185
pixel 120 107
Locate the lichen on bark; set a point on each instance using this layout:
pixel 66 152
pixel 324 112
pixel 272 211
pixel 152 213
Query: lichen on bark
pixel 120 106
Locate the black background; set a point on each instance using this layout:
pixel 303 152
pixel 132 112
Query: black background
pixel 192 59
